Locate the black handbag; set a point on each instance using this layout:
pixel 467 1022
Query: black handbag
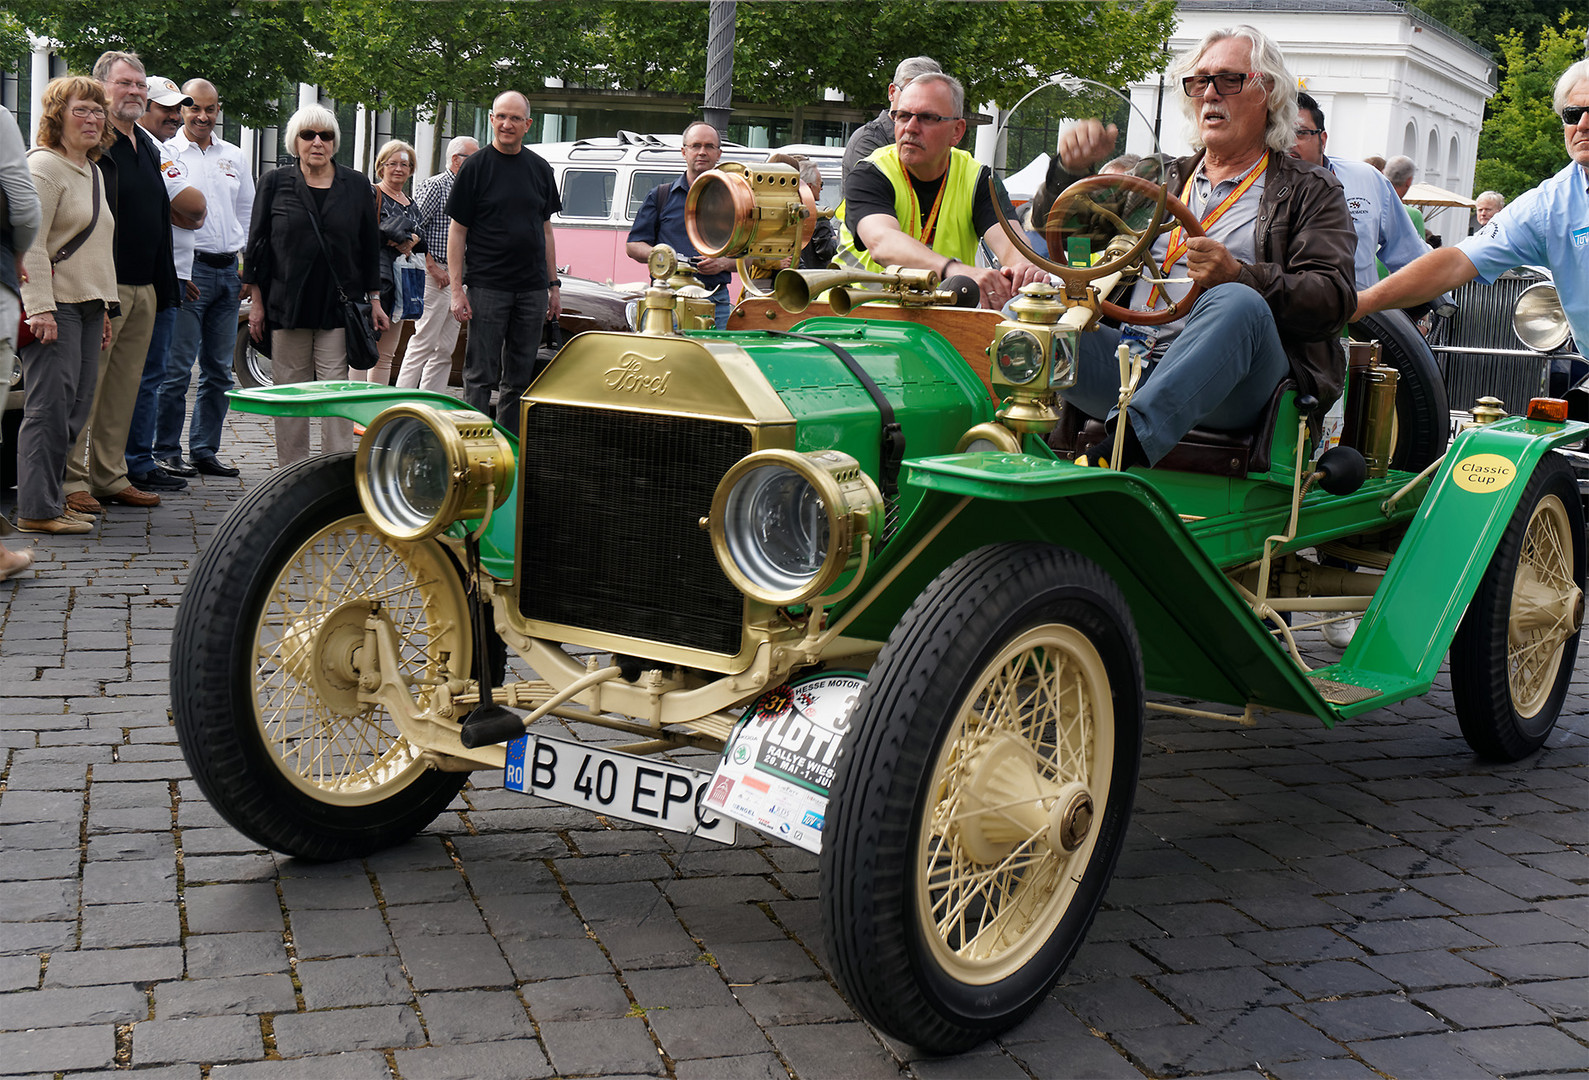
pixel 358 319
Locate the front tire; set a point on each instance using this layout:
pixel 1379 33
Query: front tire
pixel 982 800
pixel 1513 656
pixel 267 655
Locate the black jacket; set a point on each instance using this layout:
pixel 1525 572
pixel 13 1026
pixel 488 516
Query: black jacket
pixel 1305 242
pixel 282 245
pixel 168 291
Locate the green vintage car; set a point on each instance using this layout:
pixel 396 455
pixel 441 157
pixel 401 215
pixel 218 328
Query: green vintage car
pixel 853 561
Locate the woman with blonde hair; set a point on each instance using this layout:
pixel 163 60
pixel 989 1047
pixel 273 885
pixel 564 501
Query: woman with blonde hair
pixel 313 232
pixel 68 295
pixel 400 235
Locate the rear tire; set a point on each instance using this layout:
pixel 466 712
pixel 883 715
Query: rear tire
pixel 250 367
pixel 271 639
pixel 1513 656
pixel 982 798
pixel 1423 416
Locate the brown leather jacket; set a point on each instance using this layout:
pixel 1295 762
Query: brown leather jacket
pixel 1305 243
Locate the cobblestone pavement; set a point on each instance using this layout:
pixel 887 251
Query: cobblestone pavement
pixel 1295 902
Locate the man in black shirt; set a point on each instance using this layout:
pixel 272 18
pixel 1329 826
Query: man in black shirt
pixel 146 281
pixel 503 260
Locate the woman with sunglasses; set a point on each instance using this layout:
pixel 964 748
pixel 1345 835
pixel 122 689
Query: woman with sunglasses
pixel 70 287
pixel 292 284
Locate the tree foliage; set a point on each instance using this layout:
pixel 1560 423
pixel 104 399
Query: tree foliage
pixel 1488 21
pixel 247 48
pixel 1521 142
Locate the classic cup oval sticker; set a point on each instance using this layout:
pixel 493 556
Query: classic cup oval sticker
pixel 1488 473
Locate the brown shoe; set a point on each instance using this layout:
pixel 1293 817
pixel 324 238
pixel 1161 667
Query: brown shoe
pixel 72 515
pixel 83 503
pixel 56 526
pixel 131 496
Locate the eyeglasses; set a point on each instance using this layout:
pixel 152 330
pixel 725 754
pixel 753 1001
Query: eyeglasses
pixel 1228 83
pixel 85 112
pixel 510 118
pixel 701 146
pixel 131 84
pixel 1572 114
pixel 324 136
pixel 1309 133
pixel 927 119
pixel 393 163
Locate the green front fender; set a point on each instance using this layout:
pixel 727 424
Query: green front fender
pixel 1199 638
pixel 362 402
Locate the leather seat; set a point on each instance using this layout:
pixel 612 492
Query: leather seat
pixel 1203 450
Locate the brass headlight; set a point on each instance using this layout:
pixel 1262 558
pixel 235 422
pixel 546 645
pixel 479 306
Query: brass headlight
pixel 420 469
pixel 1538 319
pixel 1020 357
pixel 760 211
pixel 785 526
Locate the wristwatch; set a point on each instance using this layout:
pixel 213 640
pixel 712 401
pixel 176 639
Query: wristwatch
pixel 557 283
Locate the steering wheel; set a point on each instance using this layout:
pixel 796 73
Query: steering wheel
pixel 1080 196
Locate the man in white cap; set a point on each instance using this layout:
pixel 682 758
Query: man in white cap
pixel 162 120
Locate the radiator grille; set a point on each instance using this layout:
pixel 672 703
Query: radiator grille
pixel 1484 322
pixel 611 540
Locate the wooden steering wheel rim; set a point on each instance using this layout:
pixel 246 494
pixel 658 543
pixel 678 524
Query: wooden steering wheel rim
pixel 1178 210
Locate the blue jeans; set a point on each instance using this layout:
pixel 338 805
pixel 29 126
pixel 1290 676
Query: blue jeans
pixel 724 307
pixel 140 436
pixel 504 336
pixel 205 330
pixel 1219 372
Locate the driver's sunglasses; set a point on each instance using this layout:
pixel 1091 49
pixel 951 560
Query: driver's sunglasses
pixel 927 119
pixel 1572 114
pixel 1228 83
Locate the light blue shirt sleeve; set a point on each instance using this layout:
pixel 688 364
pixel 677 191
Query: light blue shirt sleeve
pixel 1514 237
pixel 1399 242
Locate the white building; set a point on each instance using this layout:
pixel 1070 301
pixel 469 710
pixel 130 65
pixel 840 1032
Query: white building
pixel 1390 81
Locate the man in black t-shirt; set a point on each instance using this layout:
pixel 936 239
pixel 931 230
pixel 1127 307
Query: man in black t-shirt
pixel 503 260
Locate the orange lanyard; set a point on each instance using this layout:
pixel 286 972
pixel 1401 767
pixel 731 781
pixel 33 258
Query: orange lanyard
pixel 1178 243
pixel 931 226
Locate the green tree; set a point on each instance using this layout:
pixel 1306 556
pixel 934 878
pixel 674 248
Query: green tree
pixel 1488 21
pixel 249 49
pixel 1521 142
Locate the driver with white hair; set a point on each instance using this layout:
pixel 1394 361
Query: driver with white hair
pixel 1275 265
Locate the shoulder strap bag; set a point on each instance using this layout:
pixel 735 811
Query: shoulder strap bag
pixel 358 321
pixel 24 333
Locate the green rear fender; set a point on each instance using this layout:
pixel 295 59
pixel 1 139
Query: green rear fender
pixel 362 402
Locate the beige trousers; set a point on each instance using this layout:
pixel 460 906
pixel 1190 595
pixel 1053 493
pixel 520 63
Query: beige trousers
pixel 98 461
pixel 427 364
pixel 307 356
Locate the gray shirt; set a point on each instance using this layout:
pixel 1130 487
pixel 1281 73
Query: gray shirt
pixel 19 202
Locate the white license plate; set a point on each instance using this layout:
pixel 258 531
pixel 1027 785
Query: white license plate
pixel 644 790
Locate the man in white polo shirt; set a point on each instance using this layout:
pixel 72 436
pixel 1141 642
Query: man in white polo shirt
pixel 206 329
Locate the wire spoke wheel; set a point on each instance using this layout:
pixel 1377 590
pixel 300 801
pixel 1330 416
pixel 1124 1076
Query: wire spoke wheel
pixel 311 652
pixel 982 796
pixel 276 635
pixel 1547 606
pixel 1513 655
pixel 1015 788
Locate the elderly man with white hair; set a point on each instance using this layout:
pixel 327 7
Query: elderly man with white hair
pixel 1275 265
pixel 1545 226
pixel 1487 205
pixel 428 361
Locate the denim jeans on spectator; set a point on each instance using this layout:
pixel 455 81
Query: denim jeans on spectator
pixel 504 336
pixel 140 437
pixel 724 307
pixel 205 330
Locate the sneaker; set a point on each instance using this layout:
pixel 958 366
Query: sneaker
pixel 56 526
pixel 1339 634
pixel 157 479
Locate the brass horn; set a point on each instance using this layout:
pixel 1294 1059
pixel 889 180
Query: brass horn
pixel 795 289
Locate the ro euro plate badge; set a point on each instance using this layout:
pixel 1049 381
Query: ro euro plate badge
pixel 647 791
pixel 778 767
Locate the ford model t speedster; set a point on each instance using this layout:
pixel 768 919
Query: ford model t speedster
pixel 854 559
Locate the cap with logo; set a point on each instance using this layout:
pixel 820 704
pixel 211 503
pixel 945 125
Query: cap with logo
pixel 166 92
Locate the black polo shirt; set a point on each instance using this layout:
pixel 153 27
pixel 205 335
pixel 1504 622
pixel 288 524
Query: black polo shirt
pixel 143 220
